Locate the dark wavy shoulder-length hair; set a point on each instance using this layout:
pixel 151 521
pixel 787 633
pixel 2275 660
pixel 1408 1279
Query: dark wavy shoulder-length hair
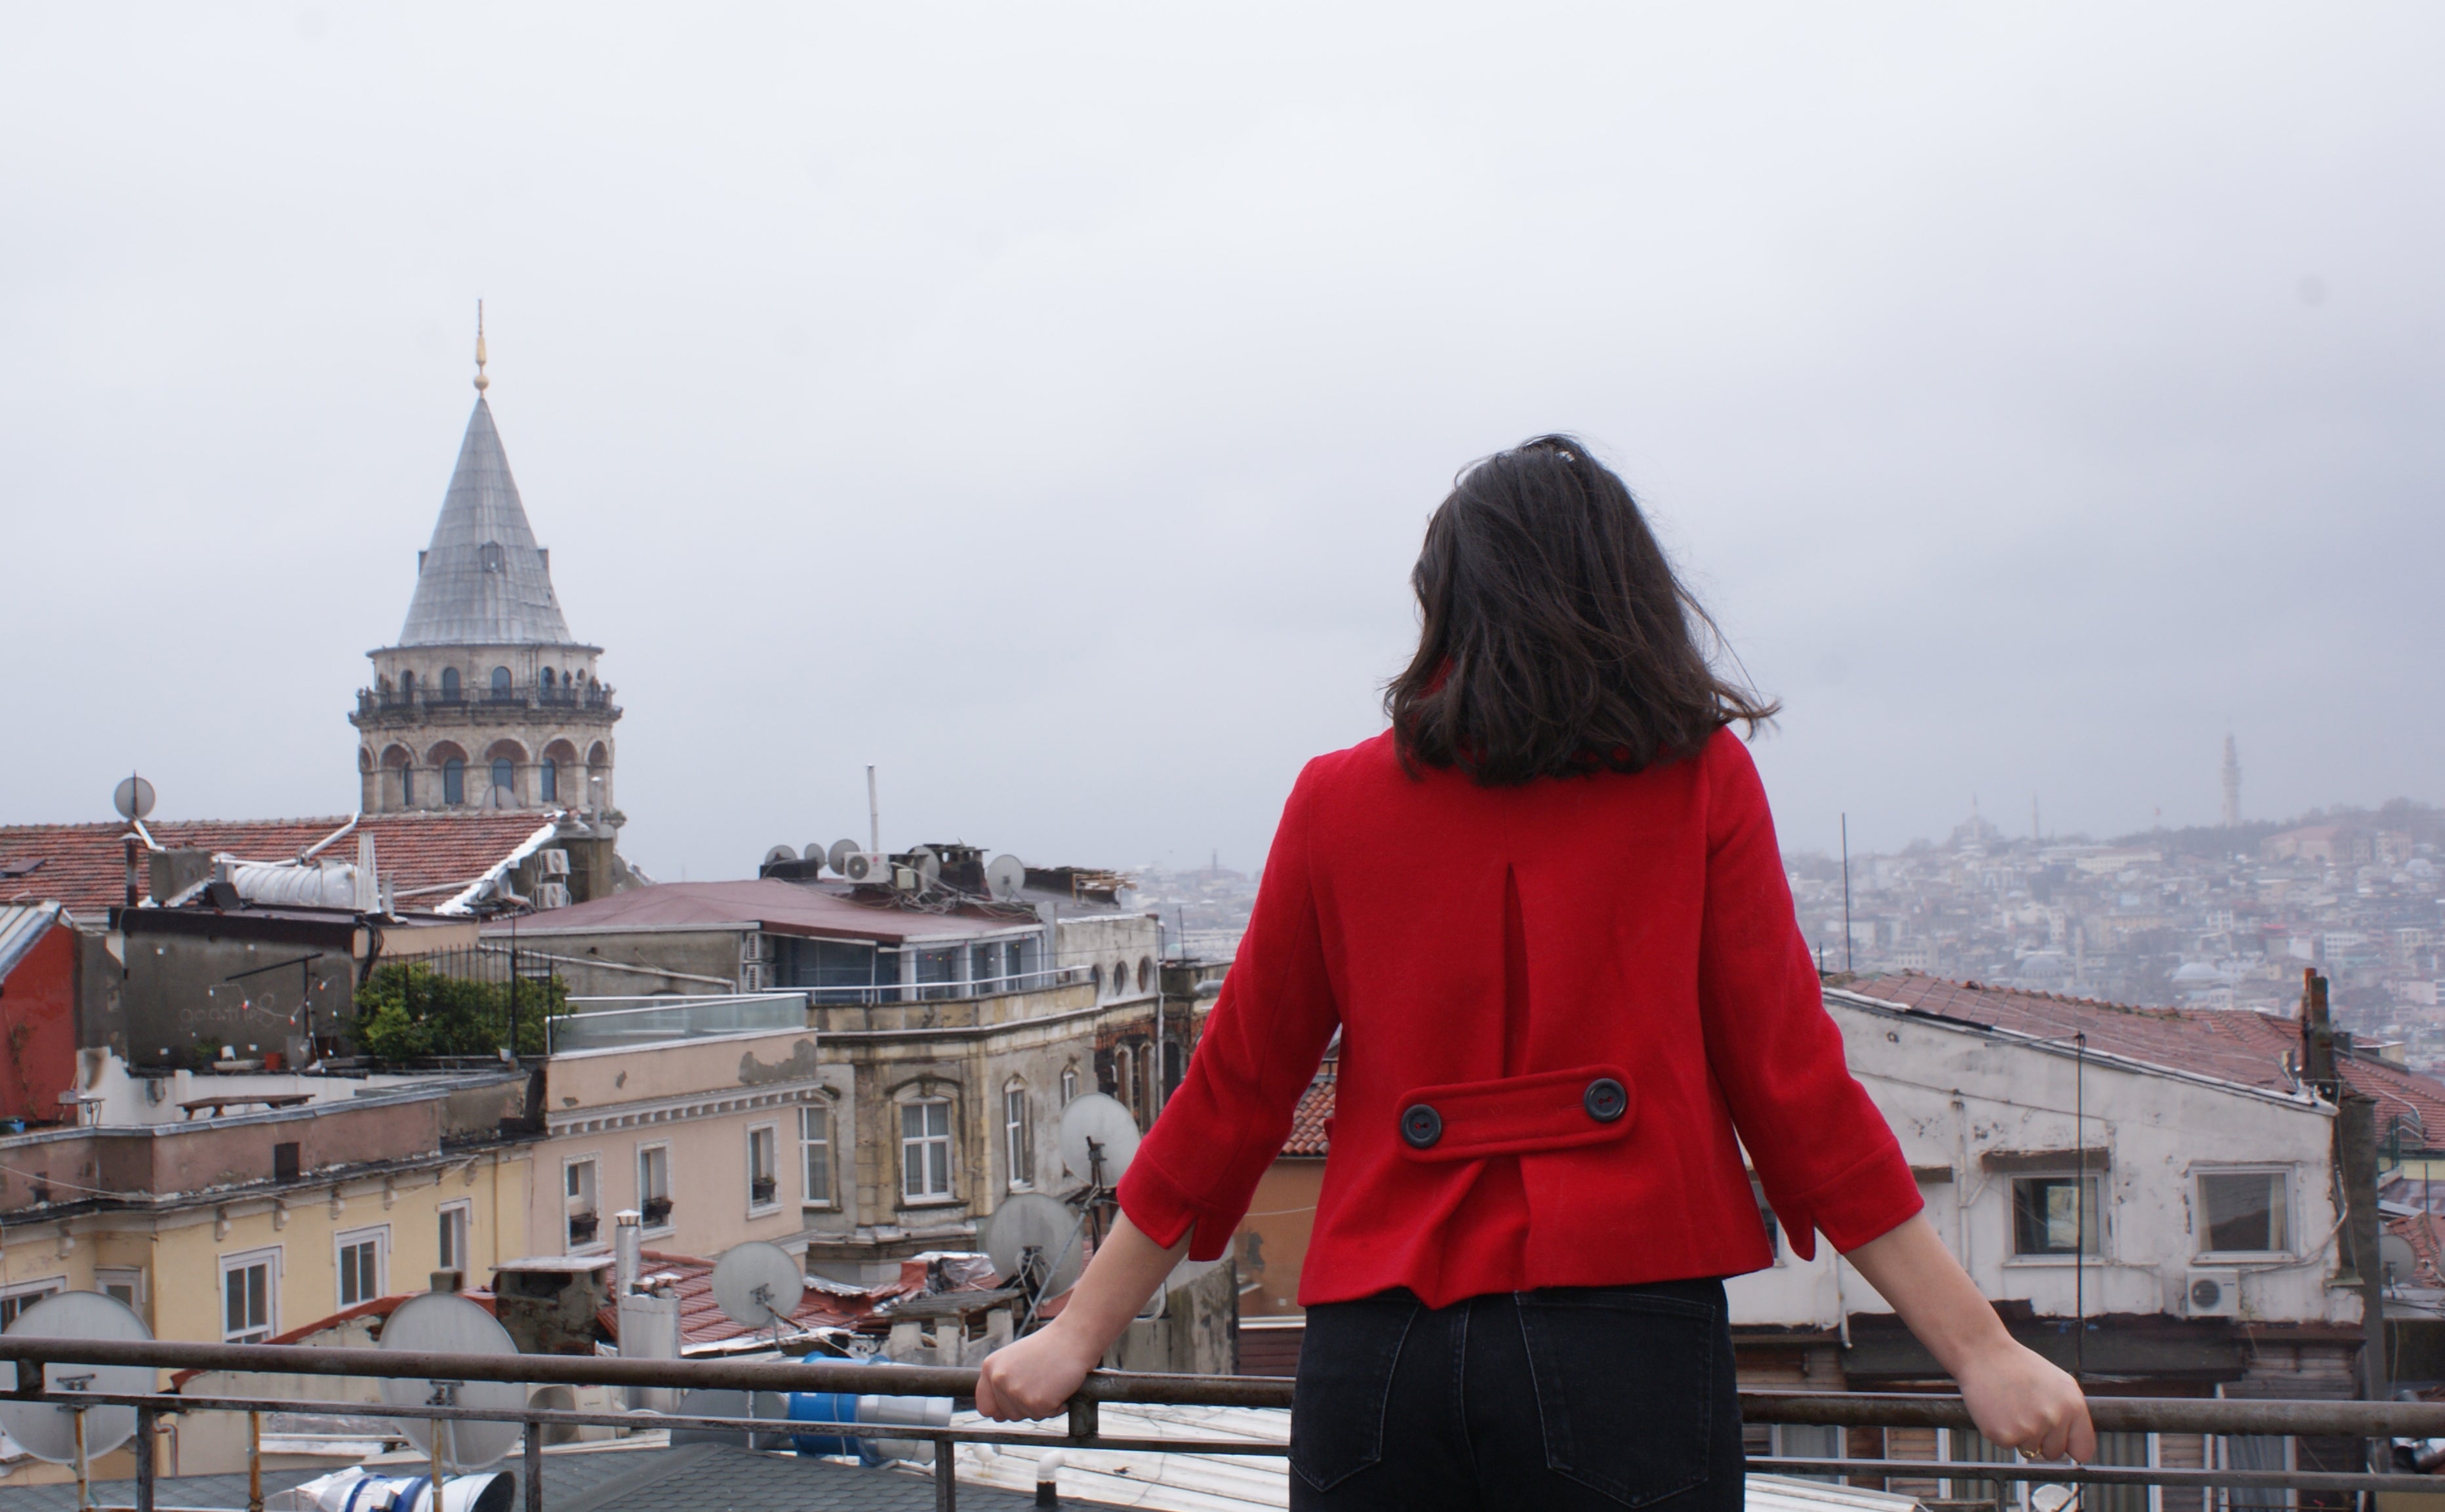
pixel 1556 639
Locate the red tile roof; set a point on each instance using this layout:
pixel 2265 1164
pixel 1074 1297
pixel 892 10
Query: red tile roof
pixel 775 906
pixel 85 866
pixel 2229 1044
pixel 1312 1125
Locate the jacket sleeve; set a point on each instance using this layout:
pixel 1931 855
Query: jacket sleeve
pixel 1827 1159
pixel 1199 1166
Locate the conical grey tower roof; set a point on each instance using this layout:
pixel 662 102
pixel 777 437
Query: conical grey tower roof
pixel 483 581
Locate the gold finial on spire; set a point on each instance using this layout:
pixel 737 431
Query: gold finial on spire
pixel 481 382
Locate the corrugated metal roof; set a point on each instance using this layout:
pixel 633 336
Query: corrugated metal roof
pixel 23 926
pixel 483 580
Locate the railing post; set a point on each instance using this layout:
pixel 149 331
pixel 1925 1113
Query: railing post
pixel 946 1476
pixel 1085 1421
pixel 533 1465
pixel 254 1462
pixel 144 1448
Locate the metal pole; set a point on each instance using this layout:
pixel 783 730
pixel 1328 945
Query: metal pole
pixel 873 814
pixel 2080 1210
pixel 254 1462
pixel 534 1465
pixel 946 1476
pixel 144 1447
pixel 435 1505
pixel 83 1471
pixel 1846 895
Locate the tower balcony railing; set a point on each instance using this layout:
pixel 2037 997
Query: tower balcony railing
pixel 2379 1425
pixel 475 700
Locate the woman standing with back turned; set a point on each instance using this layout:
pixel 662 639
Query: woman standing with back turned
pixel 1547 913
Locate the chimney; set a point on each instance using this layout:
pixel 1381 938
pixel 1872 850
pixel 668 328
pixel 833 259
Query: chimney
pixel 626 1235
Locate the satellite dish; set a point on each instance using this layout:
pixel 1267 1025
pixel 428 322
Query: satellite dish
pixel 446 1323
pixel 779 854
pixel 2395 1253
pixel 1030 1221
pixel 1005 877
pixel 48 1430
pixel 133 798
pixel 755 1282
pixel 1093 1117
pixel 929 866
pixel 838 858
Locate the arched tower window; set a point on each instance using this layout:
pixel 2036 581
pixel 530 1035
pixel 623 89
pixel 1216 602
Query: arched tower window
pixel 505 775
pixel 453 780
pixel 490 555
pixel 548 781
pixel 407 684
pixel 407 787
pixel 500 682
pixel 450 685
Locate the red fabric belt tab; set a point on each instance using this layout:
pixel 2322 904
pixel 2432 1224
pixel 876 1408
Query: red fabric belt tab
pixel 1516 1115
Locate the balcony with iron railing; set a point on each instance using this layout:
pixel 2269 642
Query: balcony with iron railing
pixel 59 1372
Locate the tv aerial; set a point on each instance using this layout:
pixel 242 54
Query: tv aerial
pixel 1098 1137
pixel 133 798
pixel 837 857
pixel 446 1323
pixel 1005 877
pixel 1033 1242
pixel 48 1430
pixel 778 854
pixel 758 1285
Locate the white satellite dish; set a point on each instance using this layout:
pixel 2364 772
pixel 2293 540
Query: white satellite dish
pixel 929 866
pixel 47 1430
pixel 837 857
pixel 1030 1221
pixel 1093 1118
pixel 133 798
pixel 779 854
pixel 446 1323
pixel 1005 877
pixel 758 1284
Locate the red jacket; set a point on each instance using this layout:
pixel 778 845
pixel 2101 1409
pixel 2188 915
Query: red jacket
pixel 1559 1003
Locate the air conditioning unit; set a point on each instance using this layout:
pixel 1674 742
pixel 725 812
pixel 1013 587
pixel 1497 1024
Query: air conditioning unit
pixel 551 895
pixel 868 868
pixel 553 863
pixel 755 948
pixel 751 977
pixel 2211 1294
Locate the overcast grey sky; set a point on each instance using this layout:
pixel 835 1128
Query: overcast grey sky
pixel 1044 402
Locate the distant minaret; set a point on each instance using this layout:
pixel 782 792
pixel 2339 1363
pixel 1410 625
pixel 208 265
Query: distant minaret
pixel 2231 784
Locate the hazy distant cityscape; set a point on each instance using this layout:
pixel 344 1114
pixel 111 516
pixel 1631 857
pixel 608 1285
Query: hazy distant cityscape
pixel 2207 917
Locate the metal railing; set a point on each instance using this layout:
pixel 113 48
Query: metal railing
pixel 593 697
pixel 602 1023
pixel 2379 1421
pixel 884 994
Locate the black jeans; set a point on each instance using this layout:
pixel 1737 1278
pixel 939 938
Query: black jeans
pixel 1560 1399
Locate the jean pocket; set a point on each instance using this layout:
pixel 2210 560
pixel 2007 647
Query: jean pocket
pixel 1345 1383
pixel 1626 1388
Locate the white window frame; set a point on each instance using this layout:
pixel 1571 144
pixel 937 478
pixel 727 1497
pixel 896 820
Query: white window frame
pixel 928 1196
pixel 645 1148
pixel 2198 1195
pixel 347 1240
pixel 814 1153
pixel 129 1277
pixel 243 1260
pixel 24 1294
pixel 771 1133
pixel 583 1203
pixel 460 1215
pixel 1069 1084
pixel 1017 1136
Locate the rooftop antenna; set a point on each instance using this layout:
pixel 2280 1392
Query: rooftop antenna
pixel 446 1323
pixel 873 814
pixel 481 382
pixel 1846 886
pixel 758 1285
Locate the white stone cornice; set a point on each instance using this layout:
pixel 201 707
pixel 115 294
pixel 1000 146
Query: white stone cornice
pixel 681 1109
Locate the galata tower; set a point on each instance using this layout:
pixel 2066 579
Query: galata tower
pixel 486 701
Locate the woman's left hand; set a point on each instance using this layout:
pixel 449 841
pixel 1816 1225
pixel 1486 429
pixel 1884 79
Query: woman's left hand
pixel 1033 1377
